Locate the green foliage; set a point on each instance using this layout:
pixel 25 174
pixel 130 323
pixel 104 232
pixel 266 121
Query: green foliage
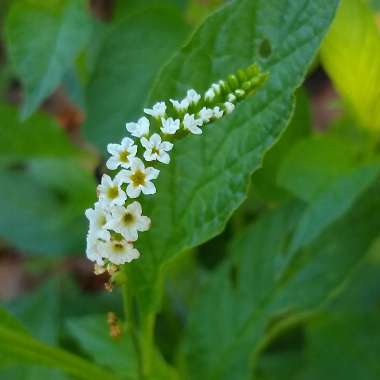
pixel 62 28
pixel 261 288
pixel 124 71
pixel 351 56
pixel 208 176
pixel 27 162
pixel 289 288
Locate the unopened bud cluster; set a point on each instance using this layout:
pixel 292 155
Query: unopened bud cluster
pixel 116 219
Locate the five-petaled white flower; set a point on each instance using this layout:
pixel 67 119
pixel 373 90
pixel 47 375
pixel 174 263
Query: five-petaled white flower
pixel 218 113
pixel 229 107
pixel 193 97
pixel 128 221
pixel 156 149
pixel 206 114
pixel 139 129
pixel 170 126
pixel 94 247
pixel 121 154
pixel 191 124
pixel 138 178
pixel 181 106
pixel 110 192
pixel 157 111
pixel 119 251
pixel 97 217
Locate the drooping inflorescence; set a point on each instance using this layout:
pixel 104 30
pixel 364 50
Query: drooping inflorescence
pixel 116 219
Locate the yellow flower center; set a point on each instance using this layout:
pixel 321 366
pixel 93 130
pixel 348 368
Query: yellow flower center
pixel 123 156
pixel 155 150
pixel 118 247
pixel 128 218
pixel 112 192
pixel 138 178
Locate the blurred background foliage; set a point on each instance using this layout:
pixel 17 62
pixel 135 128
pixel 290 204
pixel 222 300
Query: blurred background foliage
pixel 294 277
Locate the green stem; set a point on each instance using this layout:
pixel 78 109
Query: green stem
pixel 147 344
pixel 130 322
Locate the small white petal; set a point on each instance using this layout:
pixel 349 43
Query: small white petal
pixel 152 173
pixel 133 191
pixel 148 188
pixel 163 157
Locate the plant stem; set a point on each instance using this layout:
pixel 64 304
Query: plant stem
pixel 130 323
pixel 147 344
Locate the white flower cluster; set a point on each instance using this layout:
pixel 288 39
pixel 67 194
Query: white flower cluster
pixel 116 219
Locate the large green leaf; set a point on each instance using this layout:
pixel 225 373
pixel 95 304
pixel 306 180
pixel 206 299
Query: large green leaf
pixel 129 58
pixel 92 333
pixel 43 39
pixel 209 174
pixel 41 213
pixel 351 56
pixel 260 289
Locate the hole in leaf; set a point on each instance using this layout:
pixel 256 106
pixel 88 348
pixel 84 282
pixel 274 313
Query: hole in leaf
pixel 265 48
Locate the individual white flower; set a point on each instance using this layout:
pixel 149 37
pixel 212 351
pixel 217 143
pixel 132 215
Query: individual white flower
pixel 157 111
pixel 94 251
pixel 216 87
pixel 138 178
pixel 139 129
pixel 218 113
pixel 229 107
pixel 206 114
pixel 231 98
pixel 119 251
pixel 210 94
pixel 191 124
pixel 98 219
pixel 128 221
pixel 193 97
pixel 170 126
pixel 110 192
pixel 181 106
pixel 156 149
pixel 121 154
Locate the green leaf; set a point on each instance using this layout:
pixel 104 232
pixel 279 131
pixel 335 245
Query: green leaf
pixel 118 354
pixel 312 164
pixel 125 69
pixel 33 358
pixel 264 181
pixel 260 291
pixel 41 59
pixel 53 222
pixel 209 174
pixel 352 339
pixel 351 56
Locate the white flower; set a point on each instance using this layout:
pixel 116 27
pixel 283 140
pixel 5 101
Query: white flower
pixel 139 129
pixel 128 221
pixel 216 87
pixel 121 154
pixel 210 94
pixel 98 219
pixel 218 113
pixel 170 126
pixel 231 98
pixel 181 106
pixel 119 251
pixel 193 97
pixel 138 178
pixel 229 107
pixel 156 149
pixel 192 124
pixel 110 192
pixel 94 246
pixel 206 114
pixel 157 111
